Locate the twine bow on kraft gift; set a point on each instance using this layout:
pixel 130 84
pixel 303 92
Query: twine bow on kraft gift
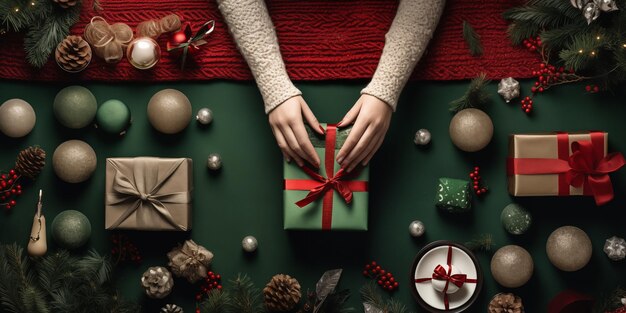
pixel 107 40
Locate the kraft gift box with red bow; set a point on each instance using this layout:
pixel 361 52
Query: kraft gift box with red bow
pixel 329 198
pixel 562 164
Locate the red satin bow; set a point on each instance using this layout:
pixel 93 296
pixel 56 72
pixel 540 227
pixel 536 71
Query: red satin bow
pixel 440 273
pixel 326 184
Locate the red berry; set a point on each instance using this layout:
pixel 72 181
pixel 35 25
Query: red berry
pixel 471 175
pixel 219 287
pixel 588 88
pixel 373 263
pixel 198 297
pixel 596 89
pixel 12 172
pixel 478 192
pixel 218 276
pixel 14 176
pixel 10 182
pixel 533 89
pixel 3 177
pixel 382 272
pixel 8 206
pixel 395 284
pixel 365 273
pixel 540 89
pixel 377 268
pixel 542 65
pixel 12 202
pixel 367 266
pixel 392 279
pixel 19 186
pixel 527 110
pixel 210 273
pixel 198 311
pixel 380 282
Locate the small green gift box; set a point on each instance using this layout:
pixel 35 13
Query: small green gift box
pixel 453 195
pixel 328 199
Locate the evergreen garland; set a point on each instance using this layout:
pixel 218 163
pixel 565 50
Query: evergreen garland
pixel 45 24
pixel 57 282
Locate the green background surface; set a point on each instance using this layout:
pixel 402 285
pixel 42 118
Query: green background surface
pixel 245 198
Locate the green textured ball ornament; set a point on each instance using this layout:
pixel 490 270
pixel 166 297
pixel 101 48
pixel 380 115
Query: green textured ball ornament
pixel 75 107
pixel 113 117
pixel 74 161
pixel 515 219
pixel 71 229
pixel 569 248
pixel 169 111
pixel 17 118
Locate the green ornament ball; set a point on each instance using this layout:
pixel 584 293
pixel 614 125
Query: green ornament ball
pixel 169 111
pixel 74 161
pixel 17 118
pixel 71 229
pixel 515 219
pixel 113 117
pixel 75 107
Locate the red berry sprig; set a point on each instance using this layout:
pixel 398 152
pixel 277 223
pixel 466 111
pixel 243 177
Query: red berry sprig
pixel 532 43
pixel 9 189
pixel 592 88
pixel 211 283
pixel 124 249
pixel 479 188
pixel 384 278
pixel 527 105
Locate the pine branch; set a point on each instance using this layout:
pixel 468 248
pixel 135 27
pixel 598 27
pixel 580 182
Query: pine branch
pixel 10 298
pixel 216 302
pixel 245 296
pixel 395 306
pixel 556 38
pixel 54 269
pixel 520 30
pixel 16 15
pixel 581 52
pixel 371 294
pixel 473 39
pixel 483 242
pixel 94 266
pixel 475 96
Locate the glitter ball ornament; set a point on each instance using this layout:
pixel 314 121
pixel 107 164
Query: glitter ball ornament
pixel 113 117
pixel 569 248
pixel 515 219
pixel 471 130
pixel 422 137
pixel 512 266
pixel 143 53
pixel 615 248
pixel 417 228
pixel 71 229
pixel 169 111
pixel 204 116
pixel 17 118
pixel 74 161
pixel 75 107
pixel 508 88
pixel 158 282
pixel 249 244
pixel 214 161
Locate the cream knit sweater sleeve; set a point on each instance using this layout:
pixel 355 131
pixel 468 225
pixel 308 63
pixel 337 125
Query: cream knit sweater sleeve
pixel 405 42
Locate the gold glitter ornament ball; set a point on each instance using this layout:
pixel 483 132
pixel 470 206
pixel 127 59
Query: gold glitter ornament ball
pixel 74 161
pixel 471 130
pixel 569 248
pixel 169 111
pixel 512 266
pixel 17 118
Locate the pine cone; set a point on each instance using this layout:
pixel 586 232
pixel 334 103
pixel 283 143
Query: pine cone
pixel 506 303
pixel 171 308
pixel 158 282
pixel 73 54
pixel 30 162
pixel 282 293
pixel 66 3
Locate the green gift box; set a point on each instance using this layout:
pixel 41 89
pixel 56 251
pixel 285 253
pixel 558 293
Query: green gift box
pixel 453 195
pixel 328 199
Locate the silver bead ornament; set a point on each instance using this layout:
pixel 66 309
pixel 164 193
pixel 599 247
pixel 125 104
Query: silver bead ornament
pixel 508 88
pixel 615 248
pixel 417 228
pixel 422 137
pixel 591 12
pixel 214 161
pixel 606 5
pixel 204 116
pixel 249 244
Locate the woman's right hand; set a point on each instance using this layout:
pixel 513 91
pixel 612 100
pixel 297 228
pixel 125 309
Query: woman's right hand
pixel 287 122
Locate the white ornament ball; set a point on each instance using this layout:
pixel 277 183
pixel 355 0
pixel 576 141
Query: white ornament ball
pixel 249 244
pixel 615 248
pixel 440 285
pixel 422 137
pixel 214 161
pixel 17 118
pixel 204 116
pixel 417 228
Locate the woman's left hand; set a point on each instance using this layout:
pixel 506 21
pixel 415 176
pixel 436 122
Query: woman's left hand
pixel 371 117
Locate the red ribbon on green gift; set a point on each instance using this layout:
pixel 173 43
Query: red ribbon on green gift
pixel 320 186
pixel 586 167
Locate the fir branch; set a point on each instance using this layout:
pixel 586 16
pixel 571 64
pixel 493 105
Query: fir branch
pixel 581 52
pixel 475 96
pixel 245 296
pixel 395 306
pixel 371 294
pixel 34 300
pixel 16 15
pixel 520 30
pixel 541 16
pixel 216 302
pixel 556 38
pixel 473 39
pixel 484 242
pixel 54 269
pixel 94 266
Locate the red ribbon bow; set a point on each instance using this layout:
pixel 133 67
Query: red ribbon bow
pixel 586 167
pixel 343 187
pixel 440 273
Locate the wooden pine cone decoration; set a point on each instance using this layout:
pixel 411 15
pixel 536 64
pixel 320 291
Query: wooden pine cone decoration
pixel 66 3
pixel 30 162
pixel 282 293
pixel 73 54
pixel 506 303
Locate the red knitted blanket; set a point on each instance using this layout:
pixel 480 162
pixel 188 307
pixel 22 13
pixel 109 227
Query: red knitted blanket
pixel 319 40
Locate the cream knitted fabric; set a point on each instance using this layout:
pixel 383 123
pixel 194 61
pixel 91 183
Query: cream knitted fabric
pixel 405 43
pixel 253 31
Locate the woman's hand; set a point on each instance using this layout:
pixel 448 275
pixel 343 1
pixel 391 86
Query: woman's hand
pixel 287 125
pixel 371 117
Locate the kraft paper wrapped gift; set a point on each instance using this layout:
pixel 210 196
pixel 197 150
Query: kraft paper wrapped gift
pixel 148 193
pixel 562 164
pixel 330 199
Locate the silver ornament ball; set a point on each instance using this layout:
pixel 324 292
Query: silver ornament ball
pixel 422 137
pixel 204 116
pixel 214 161
pixel 508 88
pixel 615 248
pixel 249 244
pixel 417 228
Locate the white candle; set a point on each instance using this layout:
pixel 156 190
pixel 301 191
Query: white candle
pixel 143 53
